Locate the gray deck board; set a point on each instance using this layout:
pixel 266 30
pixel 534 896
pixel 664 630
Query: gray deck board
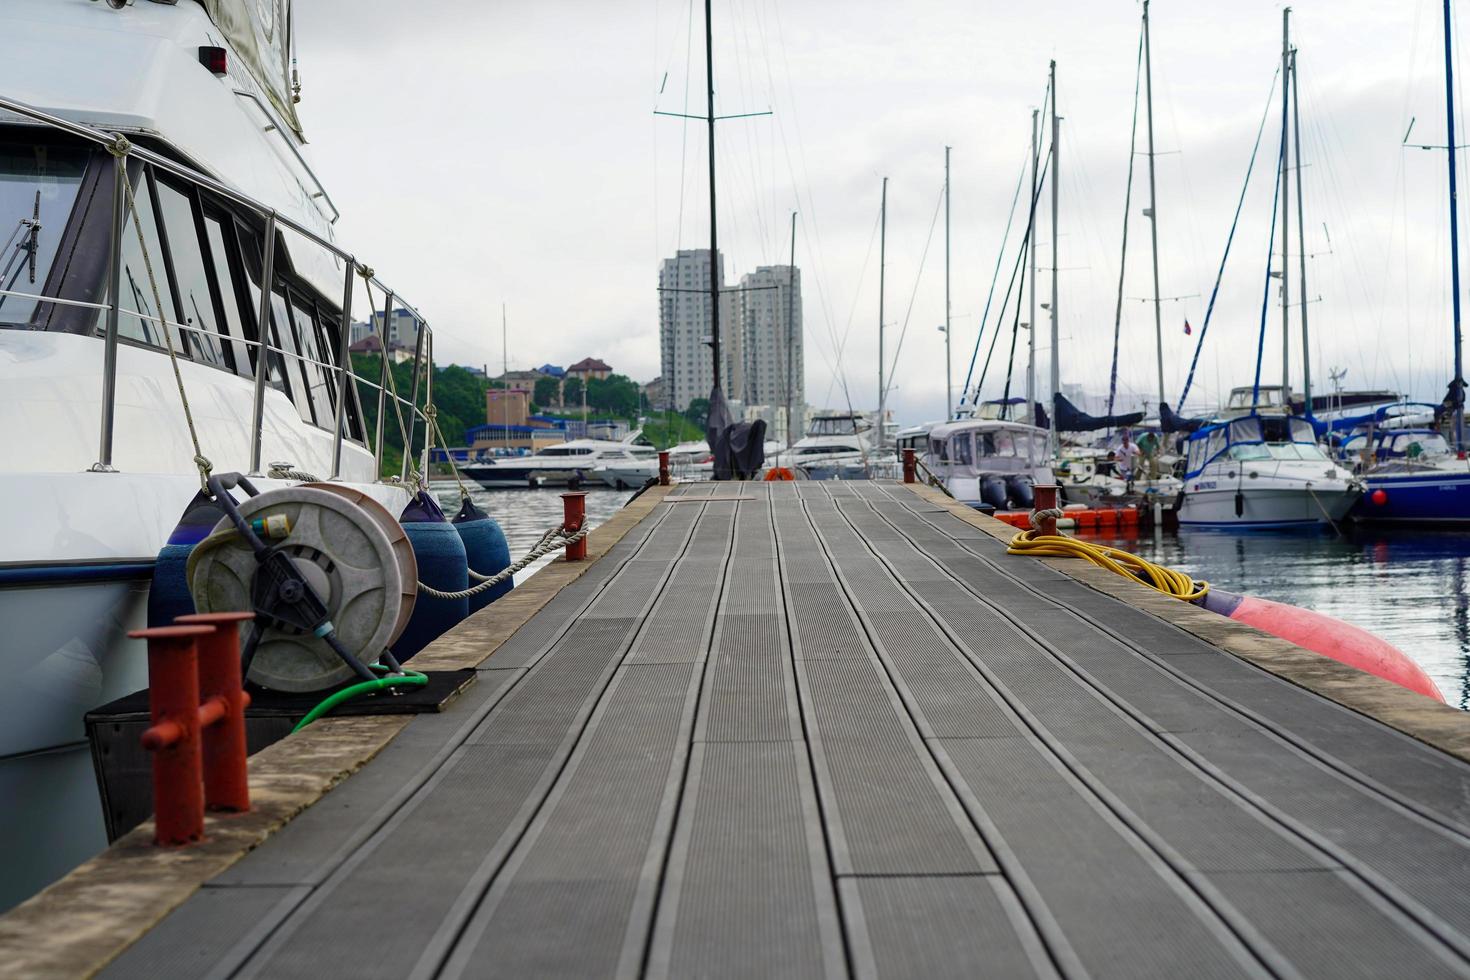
pixel 829 729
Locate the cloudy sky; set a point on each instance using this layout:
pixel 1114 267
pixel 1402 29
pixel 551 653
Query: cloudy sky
pixel 489 151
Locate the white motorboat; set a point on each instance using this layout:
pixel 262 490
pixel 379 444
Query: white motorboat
pixel 835 447
pixel 989 461
pixel 100 458
pixel 574 462
pixel 1262 471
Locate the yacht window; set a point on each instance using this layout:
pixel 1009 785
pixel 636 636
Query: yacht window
pixel 1310 450
pixel 136 300
pixel 985 443
pixel 192 282
pixel 318 379
pixel 225 280
pixel 1283 450
pixel 962 454
pixel 1246 430
pixel 1216 444
pixel 38 186
pixel 285 339
pixel 1196 455
pixel 1302 431
pixel 1005 444
pixel 941 449
pixel 1251 450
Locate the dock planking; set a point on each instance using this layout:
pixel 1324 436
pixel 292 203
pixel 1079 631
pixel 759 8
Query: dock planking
pixel 830 729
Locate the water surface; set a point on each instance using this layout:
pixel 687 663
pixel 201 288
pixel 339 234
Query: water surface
pixel 1407 586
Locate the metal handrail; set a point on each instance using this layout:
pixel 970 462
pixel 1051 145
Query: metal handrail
pixel 276 125
pixel 274 220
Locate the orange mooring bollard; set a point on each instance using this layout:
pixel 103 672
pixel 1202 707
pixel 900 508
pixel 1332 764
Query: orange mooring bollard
pixel 1044 496
pixel 222 712
pixel 173 738
pixel 910 466
pixel 574 512
pixel 663 467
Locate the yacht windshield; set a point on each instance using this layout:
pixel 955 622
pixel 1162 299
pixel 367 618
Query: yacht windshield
pixel 844 425
pixel 1253 450
pixel 38 185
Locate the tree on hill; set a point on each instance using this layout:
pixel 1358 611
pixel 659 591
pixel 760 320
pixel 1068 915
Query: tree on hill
pixel 545 392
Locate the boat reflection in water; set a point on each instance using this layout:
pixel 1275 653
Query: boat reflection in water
pixel 1412 588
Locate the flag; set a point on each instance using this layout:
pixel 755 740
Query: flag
pixel 1187 329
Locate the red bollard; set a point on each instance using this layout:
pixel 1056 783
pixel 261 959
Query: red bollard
pixel 222 712
pixel 173 738
pixel 574 512
pixel 910 466
pixel 663 467
pixel 1044 496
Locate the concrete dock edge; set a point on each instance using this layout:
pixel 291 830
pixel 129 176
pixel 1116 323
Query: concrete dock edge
pixel 112 900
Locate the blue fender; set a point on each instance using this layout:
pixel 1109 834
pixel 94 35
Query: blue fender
pixel 440 554
pixel 486 549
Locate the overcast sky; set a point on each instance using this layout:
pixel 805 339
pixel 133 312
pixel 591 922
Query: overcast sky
pixel 487 152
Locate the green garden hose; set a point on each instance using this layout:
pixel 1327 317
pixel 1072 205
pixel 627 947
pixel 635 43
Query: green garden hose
pixel 408 678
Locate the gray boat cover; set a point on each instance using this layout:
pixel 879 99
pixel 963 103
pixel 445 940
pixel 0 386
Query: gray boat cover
pixel 739 448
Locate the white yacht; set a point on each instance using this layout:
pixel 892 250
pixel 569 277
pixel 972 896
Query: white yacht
pixel 989 461
pixel 566 463
pixel 195 117
pixel 1262 471
pixel 836 446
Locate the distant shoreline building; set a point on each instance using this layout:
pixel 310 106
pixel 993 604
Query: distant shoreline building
pixel 684 327
pixel 771 370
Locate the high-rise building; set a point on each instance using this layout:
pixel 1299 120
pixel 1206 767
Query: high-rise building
pixel 770 371
pixel 684 328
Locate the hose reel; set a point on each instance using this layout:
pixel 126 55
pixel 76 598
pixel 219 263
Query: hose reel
pixel 329 574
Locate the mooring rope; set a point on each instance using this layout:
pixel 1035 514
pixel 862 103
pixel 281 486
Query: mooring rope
pixel 553 539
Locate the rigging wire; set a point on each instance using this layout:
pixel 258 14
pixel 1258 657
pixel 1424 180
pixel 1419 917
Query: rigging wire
pixel 918 277
pixel 1127 210
pixel 995 276
pixel 1276 203
pixel 1230 238
pixel 1020 256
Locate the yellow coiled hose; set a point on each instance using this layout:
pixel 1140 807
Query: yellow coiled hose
pixel 1140 570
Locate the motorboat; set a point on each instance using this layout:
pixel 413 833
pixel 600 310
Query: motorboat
pixel 836 447
pixel 1412 477
pixel 128 366
pixel 989 461
pixel 1262 471
pixel 564 464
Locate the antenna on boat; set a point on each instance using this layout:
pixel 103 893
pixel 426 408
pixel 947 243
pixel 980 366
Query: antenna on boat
pixel 1458 384
pixel 1153 203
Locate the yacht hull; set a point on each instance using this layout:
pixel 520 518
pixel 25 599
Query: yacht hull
pixel 1423 497
pixel 1266 507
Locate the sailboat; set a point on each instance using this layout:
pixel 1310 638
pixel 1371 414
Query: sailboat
pixel 1259 465
pixel 1416 475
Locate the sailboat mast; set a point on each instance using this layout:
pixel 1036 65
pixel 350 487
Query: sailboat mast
pixel 791 334
pixel 714 238
pixel 948 380
pixel 1449 103
pixel 1056 182
pixel 1030 245
pixel 1301 235
pixel 882 261
pixel 1285 204
pixel 1153 204
pixel 505 374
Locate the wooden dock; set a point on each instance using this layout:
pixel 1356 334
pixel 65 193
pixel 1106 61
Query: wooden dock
pixel 831 729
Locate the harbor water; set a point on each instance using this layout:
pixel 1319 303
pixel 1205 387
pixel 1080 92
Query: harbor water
pixel 1407 586
pixel 525 515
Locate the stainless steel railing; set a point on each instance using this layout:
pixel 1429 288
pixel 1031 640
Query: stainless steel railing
pixel 346 381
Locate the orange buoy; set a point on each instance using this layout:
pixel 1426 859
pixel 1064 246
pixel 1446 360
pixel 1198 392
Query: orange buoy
pixel 1107 517
pixel 779 473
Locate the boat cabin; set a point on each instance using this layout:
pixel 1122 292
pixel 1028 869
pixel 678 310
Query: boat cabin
pixel 1251 438
pixel 1262 400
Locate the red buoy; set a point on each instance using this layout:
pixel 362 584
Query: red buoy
pixel 1379 497
pixel 1333 638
